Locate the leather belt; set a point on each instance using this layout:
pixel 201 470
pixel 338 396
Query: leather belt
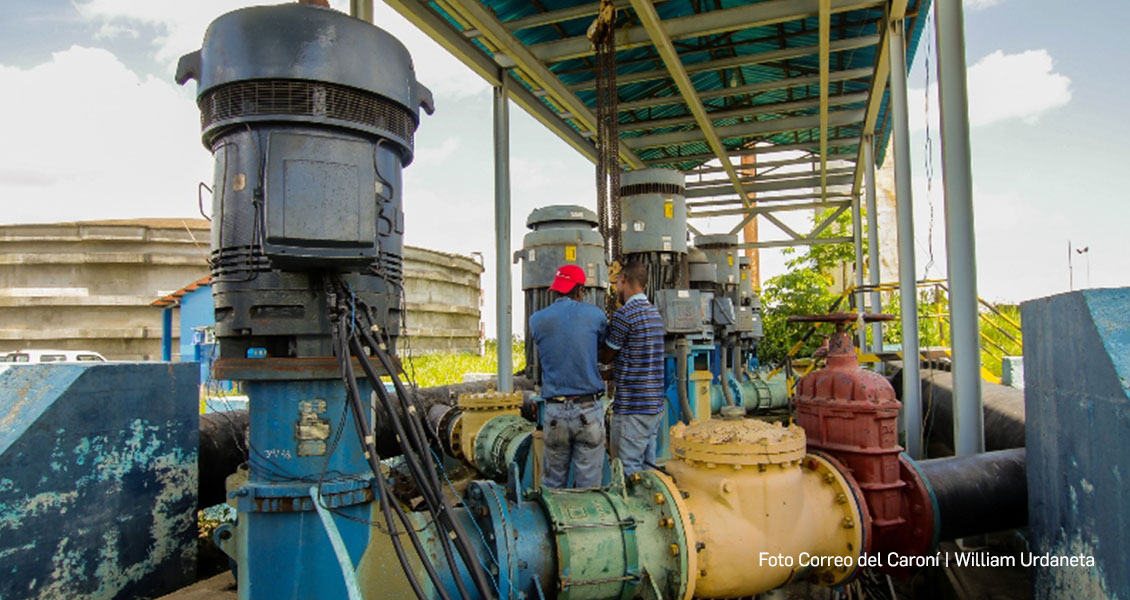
pixel 583 401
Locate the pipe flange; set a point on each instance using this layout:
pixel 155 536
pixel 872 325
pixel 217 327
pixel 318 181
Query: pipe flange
pixel 856 525
pixel 923 529
pixel 681 525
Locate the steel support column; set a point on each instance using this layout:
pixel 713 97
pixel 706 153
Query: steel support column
pixel 361 9
pixel 961 255
pixel 872 239
pixel 502 287
pixel 857 238
pixel 908 289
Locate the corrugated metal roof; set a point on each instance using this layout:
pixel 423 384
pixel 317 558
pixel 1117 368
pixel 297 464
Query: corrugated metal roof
pixel 751 62
pixel 174 298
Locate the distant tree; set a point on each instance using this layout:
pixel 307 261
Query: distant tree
pixel 804 288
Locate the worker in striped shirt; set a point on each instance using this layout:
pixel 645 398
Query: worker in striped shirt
pixel 634 346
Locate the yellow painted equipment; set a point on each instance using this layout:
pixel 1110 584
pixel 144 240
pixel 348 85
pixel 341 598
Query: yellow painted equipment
pixel 477 409
pixel 755 493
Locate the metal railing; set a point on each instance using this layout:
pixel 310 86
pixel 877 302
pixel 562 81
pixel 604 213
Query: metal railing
pixel 1001 335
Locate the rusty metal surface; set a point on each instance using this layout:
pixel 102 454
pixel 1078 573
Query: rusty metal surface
pixel 852 414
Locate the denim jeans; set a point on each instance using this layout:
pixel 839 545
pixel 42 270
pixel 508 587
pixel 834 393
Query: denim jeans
pixel 574 437
pixel 634 438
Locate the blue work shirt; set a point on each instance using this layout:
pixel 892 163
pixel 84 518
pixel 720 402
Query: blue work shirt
pixel 568 334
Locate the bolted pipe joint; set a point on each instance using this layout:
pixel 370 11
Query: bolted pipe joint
pixel 758 498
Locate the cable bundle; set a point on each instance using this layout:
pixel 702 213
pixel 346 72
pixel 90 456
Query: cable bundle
pixel 353 332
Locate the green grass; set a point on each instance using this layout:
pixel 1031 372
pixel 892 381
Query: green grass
pixel 429 370
pixel 1003 338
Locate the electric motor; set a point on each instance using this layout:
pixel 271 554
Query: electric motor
pixel 653 222
pixel 559 235
pixel 310 114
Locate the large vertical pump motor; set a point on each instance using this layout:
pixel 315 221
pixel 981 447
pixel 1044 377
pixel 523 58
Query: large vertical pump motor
pixel 310 115
pixel 653 223
pixel 559 235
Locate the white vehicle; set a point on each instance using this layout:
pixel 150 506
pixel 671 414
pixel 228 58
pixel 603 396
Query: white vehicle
pixel 52 356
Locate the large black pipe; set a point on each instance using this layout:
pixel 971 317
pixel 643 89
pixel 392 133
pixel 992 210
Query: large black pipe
pixel 980 493
pixel 223 447
pixel 1002 406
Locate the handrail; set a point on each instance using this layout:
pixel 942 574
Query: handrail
pixel 993 348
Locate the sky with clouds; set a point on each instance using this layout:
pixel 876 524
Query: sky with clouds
pixel 93 127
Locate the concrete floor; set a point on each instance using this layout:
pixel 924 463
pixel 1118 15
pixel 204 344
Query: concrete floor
pixel 220 587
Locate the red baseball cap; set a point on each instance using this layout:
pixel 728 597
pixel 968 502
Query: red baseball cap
pixel 568 277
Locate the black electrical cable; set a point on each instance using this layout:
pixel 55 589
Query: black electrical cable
pixel 460 536
pixel 436 501
pixel 361 424
pixel 411 437
pixel 412 460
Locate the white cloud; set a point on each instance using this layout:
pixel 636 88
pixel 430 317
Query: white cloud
pixel 94 140
pixel 109 31
pixel 1002 87
pixel 180 29
pixel 425 157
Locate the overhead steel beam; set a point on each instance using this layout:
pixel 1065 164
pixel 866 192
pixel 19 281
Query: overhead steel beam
pixel 769 126
pixel 748 111
pixel 895 12
pixel 843 142
pixel 794 243
pixel 774 220
pixel 659 37
pixel 742 60
pixel 753 88
pixel 557 16
pixel 774 208
pixel 769 164
pixel 759 14
pixel 828 221
pixel 802 183
pixel 825 26
pixel 762 178
pixel 482 19
pixel 761 199
pixel 440 30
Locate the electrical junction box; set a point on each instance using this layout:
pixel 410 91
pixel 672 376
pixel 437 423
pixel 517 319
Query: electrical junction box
pixel 681 310
pixel 743 319
pixel 722 312
pixel 321 200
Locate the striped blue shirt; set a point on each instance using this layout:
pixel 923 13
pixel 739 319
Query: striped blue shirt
pixel 636 332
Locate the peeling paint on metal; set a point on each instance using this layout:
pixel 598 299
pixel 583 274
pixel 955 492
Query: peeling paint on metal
pixel 101 471
pixel 1077 362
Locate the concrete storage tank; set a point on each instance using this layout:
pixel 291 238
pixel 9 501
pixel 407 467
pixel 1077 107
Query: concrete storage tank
pixel 88 285
pixel 444 302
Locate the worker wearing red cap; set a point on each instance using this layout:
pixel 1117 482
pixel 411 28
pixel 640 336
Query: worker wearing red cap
pixel 568 335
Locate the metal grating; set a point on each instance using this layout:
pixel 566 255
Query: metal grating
pixel 668 189
pixel 305 98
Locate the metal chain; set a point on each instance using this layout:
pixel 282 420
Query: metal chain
pixel 602 34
